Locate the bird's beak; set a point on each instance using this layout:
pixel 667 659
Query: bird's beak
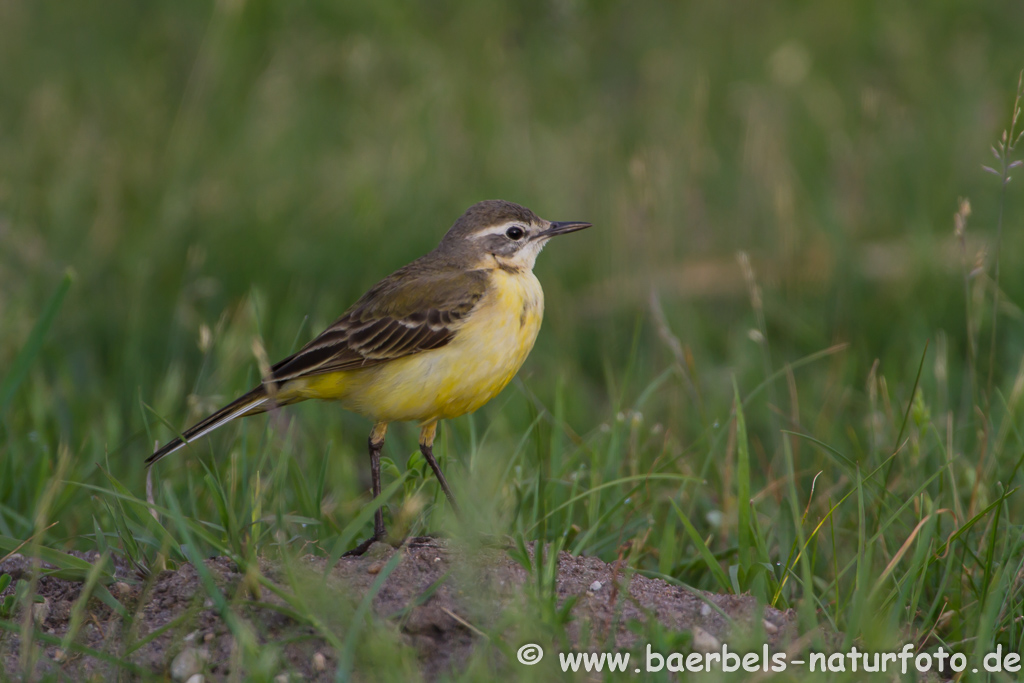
pixel 561 228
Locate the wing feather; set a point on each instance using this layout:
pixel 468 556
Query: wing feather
pixel 406 313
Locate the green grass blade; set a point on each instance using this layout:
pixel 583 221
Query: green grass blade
pixel 347 654
pixel 75 647
pixel 23 361
pixel 742 482
pixel 705 552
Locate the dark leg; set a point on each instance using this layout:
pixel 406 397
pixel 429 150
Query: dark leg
pixel 379 531
pixel 427 449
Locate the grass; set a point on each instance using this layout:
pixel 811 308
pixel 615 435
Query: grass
pixel 834 423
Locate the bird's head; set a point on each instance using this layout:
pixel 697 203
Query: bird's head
pixel 502 234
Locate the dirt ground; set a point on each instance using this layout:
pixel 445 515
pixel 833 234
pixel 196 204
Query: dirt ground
pixel 438 598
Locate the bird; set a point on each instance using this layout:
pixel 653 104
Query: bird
pixel 436 339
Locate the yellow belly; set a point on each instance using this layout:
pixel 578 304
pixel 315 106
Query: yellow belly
pixel 455 379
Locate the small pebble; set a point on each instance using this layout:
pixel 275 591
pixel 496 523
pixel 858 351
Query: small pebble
pixel 208 637
pixel 375 568
pixel 437 559
pixel 40 610
pixel 319 661
pixel 122 588
pixel 769 627
pixel 705 610
pixel 59 655
pixel 704 641
pixel 596 586
pixel 186 664
pixel 196 678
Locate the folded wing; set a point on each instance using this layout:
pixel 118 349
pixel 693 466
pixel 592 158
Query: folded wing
pixel 399 317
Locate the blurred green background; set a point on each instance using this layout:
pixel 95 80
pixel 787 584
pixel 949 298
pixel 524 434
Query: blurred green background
pixel 252 167
pixel 229 176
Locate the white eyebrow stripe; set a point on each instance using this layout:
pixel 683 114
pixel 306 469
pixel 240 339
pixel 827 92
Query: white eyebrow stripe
pixel 500 229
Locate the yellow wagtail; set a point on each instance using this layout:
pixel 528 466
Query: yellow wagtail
pixel 434 340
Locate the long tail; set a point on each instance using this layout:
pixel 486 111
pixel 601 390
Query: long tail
pixel 253 402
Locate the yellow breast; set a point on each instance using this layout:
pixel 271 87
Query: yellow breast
pixel 457 378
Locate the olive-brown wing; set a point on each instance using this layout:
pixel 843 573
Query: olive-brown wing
pixel 406 313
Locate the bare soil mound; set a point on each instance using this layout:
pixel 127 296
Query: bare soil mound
pixel 436 598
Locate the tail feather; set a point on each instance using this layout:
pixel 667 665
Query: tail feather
pixel 252 402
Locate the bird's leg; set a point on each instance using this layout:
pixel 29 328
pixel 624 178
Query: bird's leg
pixel 427 434
pixel 379 531
pixel 376 446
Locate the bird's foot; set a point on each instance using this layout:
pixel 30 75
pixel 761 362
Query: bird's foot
pixel 361 549
pixel 495 541
pixel 433 539
pixel 428 541
pixel 436 540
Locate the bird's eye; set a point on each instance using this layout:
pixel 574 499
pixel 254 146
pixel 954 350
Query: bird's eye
pixel 515 233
